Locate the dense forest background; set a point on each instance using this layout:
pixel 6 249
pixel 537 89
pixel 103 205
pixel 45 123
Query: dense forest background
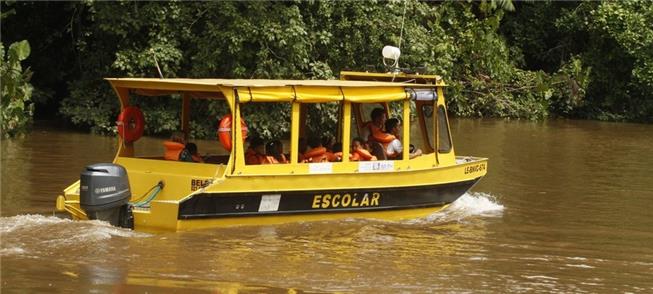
pixel 532 60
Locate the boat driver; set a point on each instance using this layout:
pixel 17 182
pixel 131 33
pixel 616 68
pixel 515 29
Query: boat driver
pixel 394 149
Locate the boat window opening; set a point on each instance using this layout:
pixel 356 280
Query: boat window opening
pixel 268 139
pixel 416 135
pixel 202 146
pixel 396 109
pixel 444 138
pixel 370 138
pixel 320 138
pixel 426 117
pixel 204 119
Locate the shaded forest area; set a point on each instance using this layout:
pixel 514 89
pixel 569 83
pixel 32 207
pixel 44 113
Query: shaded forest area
pixel 532 60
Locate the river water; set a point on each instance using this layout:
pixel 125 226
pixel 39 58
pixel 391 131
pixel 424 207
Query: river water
pixel 567 206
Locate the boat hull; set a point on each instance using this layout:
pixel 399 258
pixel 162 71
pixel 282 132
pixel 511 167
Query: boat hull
pixel 213 209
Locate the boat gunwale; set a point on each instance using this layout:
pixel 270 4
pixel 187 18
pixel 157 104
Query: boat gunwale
pixel 295 173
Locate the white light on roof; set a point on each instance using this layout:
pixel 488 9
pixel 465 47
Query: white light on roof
pixel 393 53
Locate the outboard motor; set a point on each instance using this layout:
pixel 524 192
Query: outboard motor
pixel 104 194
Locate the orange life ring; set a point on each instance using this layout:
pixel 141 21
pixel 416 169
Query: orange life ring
pixel 224 131
pixel 131 123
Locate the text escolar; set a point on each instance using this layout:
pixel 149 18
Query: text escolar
pixel 346 200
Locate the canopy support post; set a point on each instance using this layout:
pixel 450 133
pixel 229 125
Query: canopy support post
pixel 294 132
pixel 185 115
pixel 406 130
pixel 237 136
pixel 346 131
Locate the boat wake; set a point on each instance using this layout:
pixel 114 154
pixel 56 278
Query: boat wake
pixel 468 205
pixel 476 203
pixel 24 234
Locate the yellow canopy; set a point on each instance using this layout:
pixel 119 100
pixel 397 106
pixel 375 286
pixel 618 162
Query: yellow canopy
pixel 308 91
pixel 314 94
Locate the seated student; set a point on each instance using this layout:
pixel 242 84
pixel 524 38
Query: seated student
pixel 394 149
pixel 192 149
pixel 359 152
pixel 270 152
pixel 328 142
pixel 375 128
pixel 280 156
pixel 316 153
pixel 255 153
pixel 175 148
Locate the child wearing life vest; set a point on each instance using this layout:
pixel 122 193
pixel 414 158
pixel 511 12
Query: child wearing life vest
pixel 274 153
pixel 316 153
pixel 255 153
pixel 278 145
pixel 175 148
pixel 270 152
pixel 329 143
pixel 337 152
pixel 359 152
pixel 192 149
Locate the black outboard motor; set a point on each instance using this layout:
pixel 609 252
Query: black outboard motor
pixel 104 194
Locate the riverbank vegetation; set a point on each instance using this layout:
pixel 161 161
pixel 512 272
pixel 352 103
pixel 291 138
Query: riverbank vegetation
pixel 591 60
pixel 17 109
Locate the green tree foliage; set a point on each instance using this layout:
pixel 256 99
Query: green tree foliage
pixel 17 108
pixel 501 58
pixel 604 48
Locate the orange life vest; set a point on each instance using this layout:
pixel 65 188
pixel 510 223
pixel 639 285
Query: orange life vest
pixel 331 157
pixel 251 157
pixel 362 155
pixel 268 160
pixel 376 134
pixel 173 150
pixel 316 155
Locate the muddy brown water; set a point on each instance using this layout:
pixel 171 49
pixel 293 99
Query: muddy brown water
pixel 567 206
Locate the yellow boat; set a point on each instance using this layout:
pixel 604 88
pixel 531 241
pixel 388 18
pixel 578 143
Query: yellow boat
pixel 150 193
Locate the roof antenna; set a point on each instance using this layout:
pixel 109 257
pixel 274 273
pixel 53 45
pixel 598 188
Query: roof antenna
pixel 156 63
pixel 393 53
pixel 403 18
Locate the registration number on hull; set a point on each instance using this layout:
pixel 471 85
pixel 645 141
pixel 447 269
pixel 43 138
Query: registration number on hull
pixel 474 168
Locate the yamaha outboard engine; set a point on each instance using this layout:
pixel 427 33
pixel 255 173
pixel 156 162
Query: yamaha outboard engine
pixel 104 194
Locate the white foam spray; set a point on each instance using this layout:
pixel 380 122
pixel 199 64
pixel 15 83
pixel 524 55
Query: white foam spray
pixel 25 234
pixel 468 205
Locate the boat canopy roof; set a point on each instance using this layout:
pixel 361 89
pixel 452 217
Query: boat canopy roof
pixel 259 90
